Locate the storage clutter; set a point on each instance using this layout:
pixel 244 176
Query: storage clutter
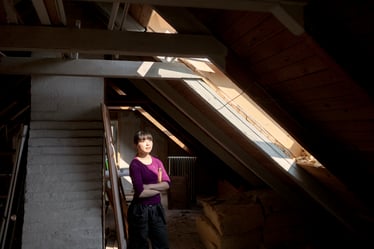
pixel 249 220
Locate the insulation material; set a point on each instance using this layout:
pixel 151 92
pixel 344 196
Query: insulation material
pixel 211 238
pixel 230 217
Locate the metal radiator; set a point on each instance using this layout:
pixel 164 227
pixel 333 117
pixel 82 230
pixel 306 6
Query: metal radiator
pixel 184 166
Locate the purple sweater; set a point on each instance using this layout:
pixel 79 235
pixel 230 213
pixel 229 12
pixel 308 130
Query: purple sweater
pixel 146 174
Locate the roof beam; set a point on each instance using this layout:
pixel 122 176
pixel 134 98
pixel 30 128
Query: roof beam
pixel 216 139
pixel 291 17
pixel 42 12
pixel 234 154
pixel 252 5
pixel 10 12
pixel 95 68
pixel 288 12
pixel 52 39
pixel 167 104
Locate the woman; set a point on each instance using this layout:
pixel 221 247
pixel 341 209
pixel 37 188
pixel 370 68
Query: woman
pixel 146 215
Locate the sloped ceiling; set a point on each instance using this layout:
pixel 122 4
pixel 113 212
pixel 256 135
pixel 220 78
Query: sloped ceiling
pixel 304 62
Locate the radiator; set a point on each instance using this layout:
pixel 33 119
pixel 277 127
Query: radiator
pixel 184 166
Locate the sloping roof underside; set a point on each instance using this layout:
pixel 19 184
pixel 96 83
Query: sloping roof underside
pixel 305 64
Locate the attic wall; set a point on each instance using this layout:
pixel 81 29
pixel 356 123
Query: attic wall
pixel 66 98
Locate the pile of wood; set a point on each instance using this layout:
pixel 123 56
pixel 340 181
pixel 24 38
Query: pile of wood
pixel 254 219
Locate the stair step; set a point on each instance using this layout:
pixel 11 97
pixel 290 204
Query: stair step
pixel 63 195
pixel 66 125
pixel 65 133
pixel 63 159
pixel 65 142
pixel 77 150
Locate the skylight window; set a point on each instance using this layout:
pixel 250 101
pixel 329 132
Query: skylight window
pixel 242 124
pixel 236 106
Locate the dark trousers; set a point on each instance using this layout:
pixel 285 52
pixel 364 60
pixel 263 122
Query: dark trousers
pixel 147 222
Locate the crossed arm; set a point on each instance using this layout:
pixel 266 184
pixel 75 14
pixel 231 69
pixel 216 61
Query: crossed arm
pixel 153 189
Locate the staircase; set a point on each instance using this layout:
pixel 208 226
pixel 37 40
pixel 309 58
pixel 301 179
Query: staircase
pixel 63 190
pixel 12 175
pixel 14 114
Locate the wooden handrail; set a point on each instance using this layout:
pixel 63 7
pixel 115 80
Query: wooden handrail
pixel 117 201
pixel 12 187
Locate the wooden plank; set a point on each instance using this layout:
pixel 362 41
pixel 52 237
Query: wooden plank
pixel 354 128
pixel 96 68
pixel 263 31
pixel 308 65
pixel 288 56
pixel 42 12
pixel 254 5
pixel 58 39
pixel 340 109
pixel 272 46
pixel 182 20
pixel 8 12
pixel 52 10
pixel 114 181
pixel 291 17
pixel 236 29
pixel 315 79
pixel 334 90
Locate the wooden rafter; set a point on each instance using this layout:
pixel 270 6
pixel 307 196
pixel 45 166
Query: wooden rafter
pixel 95 68
pixel 22 38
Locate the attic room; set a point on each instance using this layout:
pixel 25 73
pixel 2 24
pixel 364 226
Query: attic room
pixel 273 96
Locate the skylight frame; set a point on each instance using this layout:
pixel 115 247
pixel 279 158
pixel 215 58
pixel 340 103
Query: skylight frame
pixel 285 155
pixel 245 127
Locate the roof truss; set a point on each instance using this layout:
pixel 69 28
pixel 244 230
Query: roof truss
pixel 95 68
pixel 51 39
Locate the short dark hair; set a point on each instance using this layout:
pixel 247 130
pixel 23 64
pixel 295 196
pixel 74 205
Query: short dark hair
pixel 141 136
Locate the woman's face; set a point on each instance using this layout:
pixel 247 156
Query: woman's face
pixel 145 146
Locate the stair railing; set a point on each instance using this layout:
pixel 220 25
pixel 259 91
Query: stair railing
pixel 4 236
pixel 117 202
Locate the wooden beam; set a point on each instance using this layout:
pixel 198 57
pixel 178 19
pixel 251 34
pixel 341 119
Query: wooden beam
pixel 113 15
pixel 52 39
pixel 61 11
pixel 237 154
pixel 95 68
pixel 286 11
pixel 42 12
pixel 252 5
pixel 291 17
pixel 168 104
pixel 10 12
pixel 56 13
